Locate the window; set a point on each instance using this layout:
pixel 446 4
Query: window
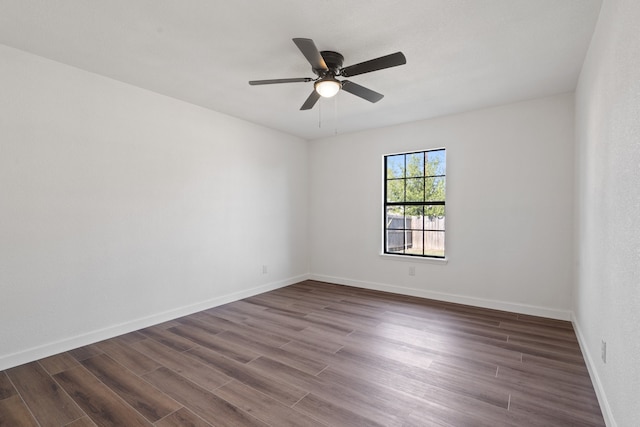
pixel 414 203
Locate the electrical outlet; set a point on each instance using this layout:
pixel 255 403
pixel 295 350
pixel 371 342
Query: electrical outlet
pixel 265 270
pixel 603 351
pixel 412 271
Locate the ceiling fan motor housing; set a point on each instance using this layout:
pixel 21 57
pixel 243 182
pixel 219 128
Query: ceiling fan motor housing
pixel 334 62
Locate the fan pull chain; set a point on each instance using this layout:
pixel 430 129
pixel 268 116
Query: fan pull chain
pixel 335 116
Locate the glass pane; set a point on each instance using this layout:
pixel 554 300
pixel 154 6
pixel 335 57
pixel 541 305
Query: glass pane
pixel 395 190
pixel 414 216
pixel 395 241
pixel 415 190
pixel 435 189
pixel 436 163
pixel 434 221
pixel 415 242
pixel 395 217
pixel 415 164
pixel 395 166
pixel 434 212
pixel 434 243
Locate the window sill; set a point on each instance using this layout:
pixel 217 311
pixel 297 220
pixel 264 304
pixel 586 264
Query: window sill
pixel 441 261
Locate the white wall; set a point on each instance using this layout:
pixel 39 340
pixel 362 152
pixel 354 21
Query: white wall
pixel 607 292
pixel 120 208
pixel 509 208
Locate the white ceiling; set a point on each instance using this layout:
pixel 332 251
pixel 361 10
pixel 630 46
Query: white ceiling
pixel 461 54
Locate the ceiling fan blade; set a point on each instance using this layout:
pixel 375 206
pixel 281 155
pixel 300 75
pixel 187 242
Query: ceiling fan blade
pixel 311 101
pixel 388 61
pixel 311 52
pixel 361 91
pixel 274 81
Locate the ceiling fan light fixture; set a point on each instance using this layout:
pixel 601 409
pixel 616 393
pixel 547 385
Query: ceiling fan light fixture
pixel 327 64
pixel 327 86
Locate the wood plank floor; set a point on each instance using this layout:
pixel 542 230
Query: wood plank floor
pixel 315 354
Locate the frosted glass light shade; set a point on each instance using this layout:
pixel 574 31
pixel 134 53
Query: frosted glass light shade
pixel 327 87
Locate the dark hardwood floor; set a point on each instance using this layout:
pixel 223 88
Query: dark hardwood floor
pixel 315 354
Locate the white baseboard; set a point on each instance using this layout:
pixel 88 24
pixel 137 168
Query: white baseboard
pixel 459 299
pixel 593 373
pixel 49 349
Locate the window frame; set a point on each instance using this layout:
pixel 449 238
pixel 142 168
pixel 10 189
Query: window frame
pixel 405 203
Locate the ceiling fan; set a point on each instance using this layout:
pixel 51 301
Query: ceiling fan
pixel 327 65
